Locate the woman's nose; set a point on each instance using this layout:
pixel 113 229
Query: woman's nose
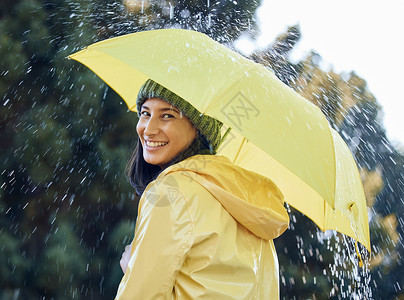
pixel 152 127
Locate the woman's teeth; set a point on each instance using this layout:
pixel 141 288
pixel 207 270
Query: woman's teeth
pixel 155 144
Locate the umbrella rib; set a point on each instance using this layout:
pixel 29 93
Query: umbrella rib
pixel 239 149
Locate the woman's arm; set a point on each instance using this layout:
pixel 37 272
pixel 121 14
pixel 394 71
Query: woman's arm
pixel 163 236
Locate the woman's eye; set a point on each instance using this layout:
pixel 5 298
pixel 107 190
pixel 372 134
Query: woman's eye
pixel 167 116
pixel 145 113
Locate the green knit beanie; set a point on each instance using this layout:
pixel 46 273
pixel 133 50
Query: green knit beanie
pixel 207 126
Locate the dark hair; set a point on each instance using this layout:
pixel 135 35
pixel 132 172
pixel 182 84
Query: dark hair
pixel 140 172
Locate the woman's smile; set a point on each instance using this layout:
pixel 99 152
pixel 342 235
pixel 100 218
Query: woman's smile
pixel 153 144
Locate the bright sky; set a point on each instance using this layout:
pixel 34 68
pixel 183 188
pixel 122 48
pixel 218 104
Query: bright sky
pixel 350 35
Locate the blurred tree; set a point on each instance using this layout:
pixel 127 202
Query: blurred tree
pixel 63 263
pixel 352 110
pixel 377 156
pixel 222 20
pixel 59 131
pixel 276 55
pixel 66 208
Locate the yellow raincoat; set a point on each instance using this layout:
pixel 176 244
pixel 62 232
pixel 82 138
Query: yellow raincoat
pixel 205 230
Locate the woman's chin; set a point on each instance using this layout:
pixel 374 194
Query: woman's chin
pixel 157 161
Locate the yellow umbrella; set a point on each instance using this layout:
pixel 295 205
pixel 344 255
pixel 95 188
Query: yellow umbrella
pixel 275 132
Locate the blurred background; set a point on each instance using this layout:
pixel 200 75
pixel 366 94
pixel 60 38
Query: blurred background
pixel 67 210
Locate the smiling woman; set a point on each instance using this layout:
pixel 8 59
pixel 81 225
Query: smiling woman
pixel 205 226
pixel 165 117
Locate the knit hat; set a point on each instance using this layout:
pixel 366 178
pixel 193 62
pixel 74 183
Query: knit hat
pixel 207 126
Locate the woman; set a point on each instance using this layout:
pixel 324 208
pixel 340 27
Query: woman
pixel 205 226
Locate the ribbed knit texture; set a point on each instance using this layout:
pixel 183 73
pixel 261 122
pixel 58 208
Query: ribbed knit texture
pixel 207 126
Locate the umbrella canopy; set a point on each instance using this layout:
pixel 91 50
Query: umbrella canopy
pixel 274 131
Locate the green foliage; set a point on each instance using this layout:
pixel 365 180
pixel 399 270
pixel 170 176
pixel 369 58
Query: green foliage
pixel 222 20
pixel 66 209
pixel 49 144
pixel 63 263
pixel 13 262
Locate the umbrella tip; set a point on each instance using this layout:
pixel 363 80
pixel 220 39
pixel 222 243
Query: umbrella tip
pixel 359 255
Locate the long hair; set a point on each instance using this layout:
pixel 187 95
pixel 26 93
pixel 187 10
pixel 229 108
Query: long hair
pixel 140 172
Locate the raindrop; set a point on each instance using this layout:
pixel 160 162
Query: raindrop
pixel 185 13
pixel 171 10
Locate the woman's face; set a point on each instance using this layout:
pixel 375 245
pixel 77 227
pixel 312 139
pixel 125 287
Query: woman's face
pixel 163 131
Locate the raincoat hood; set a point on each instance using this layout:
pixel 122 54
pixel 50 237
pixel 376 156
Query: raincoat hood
pixel 252 199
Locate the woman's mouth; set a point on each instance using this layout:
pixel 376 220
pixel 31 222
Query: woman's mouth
pixel 155 144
